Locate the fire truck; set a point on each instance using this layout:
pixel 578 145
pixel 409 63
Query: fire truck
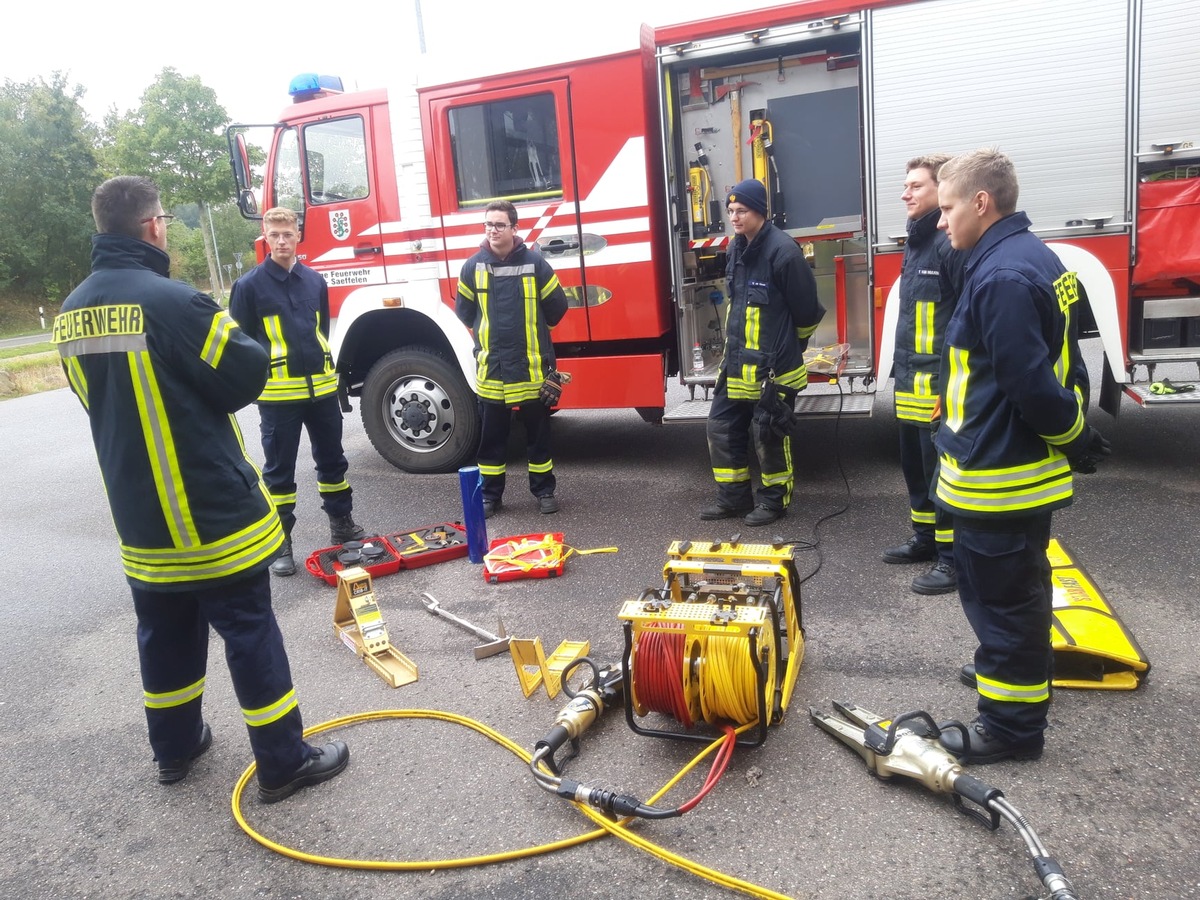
pixel 618 166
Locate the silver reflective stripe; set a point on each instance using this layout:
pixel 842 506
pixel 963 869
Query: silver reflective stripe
pixel 118 343
pixel 174 698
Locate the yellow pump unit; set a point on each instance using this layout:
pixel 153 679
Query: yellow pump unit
pixel 720 642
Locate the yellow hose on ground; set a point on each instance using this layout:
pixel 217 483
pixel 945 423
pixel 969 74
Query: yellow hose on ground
pixel 606 826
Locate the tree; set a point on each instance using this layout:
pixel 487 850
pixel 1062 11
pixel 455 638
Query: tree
pixel 176 137
pixel 47 174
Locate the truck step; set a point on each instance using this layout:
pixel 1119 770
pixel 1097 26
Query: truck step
pixel 1143 396
pixel 808 405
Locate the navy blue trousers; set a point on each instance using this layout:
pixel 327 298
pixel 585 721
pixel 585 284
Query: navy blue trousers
pixel 918 461
pixel 1005 587
pixel 280 424
pixel 172 637
pixel 495 426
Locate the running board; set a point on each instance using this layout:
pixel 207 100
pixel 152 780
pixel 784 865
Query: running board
pixel 1143 396
pixel 809 405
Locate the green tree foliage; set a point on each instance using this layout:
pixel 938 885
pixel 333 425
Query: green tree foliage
pixel 47 173
pixel 176 136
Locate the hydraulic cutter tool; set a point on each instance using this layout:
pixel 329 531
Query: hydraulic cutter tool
pixel 908 745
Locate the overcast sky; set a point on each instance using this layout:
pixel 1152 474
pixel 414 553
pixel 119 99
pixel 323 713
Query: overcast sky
pixel 248 52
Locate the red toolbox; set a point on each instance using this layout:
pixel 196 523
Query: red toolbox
pixel 374 554
pixel 426 546
pixel 388 554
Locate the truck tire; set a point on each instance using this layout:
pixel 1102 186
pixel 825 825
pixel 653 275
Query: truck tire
pixel 419 412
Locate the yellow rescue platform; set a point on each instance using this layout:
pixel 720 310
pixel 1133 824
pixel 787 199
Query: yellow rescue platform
pixel 1092 647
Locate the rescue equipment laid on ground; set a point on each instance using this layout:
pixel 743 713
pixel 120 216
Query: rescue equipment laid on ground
pixel 908 745
pixel 426 546
pixel 388 554
pixel 535 669
pixel 721 642
pixel 1092 647
pixel 494 643
pixel 358 623
pixel 539 555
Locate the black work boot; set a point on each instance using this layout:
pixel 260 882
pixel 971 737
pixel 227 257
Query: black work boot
pixel 284 564
pixel 344 528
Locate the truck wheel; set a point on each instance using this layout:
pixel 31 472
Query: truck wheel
pixel 419 412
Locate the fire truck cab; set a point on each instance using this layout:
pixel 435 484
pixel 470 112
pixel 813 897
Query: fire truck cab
pixel 618 167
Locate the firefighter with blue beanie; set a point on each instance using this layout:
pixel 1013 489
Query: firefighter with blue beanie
pixel 772 312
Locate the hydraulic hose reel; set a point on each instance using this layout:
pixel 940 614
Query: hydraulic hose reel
pixel 720 642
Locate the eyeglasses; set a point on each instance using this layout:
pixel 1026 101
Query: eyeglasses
pixel 165 217
pixel 736 212
pixel 495 226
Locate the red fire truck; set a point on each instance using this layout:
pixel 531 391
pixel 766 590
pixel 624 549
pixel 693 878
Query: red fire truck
pixel 617 165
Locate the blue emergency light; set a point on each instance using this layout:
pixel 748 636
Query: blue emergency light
pixel 310 85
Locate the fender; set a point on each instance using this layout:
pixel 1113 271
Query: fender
pixel 1093 275
pixel 419 297
pixel 1102 296
pixel 887 339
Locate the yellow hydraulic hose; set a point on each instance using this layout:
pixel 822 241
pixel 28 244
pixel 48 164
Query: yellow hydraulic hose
pixel 615 828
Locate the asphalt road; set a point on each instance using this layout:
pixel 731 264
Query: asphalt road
pixel 1114 798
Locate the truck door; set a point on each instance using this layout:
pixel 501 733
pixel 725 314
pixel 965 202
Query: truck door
pixel 323 170
pixel 510 143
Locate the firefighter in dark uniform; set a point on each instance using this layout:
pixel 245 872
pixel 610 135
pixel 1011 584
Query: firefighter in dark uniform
pixel 510 297
pixel 930 281
pixel 161 370
pixel 284 305
pixel 773 310
pixel 1012 430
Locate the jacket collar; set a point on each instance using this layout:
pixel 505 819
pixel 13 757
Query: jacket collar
pixel 1006 227
pixel 118 251
pixel 923 228
pixel 517 247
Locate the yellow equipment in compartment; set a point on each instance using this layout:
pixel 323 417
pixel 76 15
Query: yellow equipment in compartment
pixel 720 642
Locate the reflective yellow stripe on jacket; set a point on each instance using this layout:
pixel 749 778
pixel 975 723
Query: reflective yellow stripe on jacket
pixel 282 386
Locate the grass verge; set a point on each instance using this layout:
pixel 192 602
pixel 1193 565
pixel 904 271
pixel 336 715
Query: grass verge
pixel 29 372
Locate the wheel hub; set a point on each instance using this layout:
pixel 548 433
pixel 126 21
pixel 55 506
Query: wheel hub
pixel 420 413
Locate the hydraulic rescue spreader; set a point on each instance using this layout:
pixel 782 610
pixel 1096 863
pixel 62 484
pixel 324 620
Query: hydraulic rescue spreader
pixel 908 745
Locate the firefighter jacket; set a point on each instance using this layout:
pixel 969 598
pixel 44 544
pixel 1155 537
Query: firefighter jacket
pixel 288 313
pixel 930 281
pixel 161 370
pixel 1011 403
pixel 511 304
pixel 773 311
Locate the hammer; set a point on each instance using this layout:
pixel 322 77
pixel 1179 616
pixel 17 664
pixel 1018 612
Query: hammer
pixel 495 643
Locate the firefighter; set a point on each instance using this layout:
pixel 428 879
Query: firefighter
pixel 773 311
pixel 160 370
pixel 1012 430
pixel 284 305
pixel 510 297
pixel 930 280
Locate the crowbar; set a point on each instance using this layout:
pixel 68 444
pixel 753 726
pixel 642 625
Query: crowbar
pixel 496 644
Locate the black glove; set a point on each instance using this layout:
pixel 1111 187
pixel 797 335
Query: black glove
pixel 552 388
pixel 775 413
pixel 1091 451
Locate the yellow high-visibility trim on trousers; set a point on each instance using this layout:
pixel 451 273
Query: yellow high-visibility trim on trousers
pixel 272 713
pixel 168 699
pixel 1012 693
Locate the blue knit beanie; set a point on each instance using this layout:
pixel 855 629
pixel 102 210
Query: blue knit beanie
pixel 751 194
